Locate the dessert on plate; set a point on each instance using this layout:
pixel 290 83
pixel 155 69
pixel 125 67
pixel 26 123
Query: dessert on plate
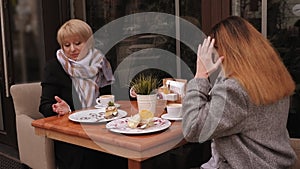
pixel 143 119
pixel 111 111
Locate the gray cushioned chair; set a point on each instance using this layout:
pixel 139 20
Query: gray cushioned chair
pixel 35 151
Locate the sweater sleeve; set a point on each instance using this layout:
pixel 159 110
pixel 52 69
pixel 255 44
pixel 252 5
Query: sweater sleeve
pixel 48 93
pixel 213 113
pixel 55 82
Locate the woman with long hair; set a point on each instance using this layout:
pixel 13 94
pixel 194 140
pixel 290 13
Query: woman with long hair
pixel 244 113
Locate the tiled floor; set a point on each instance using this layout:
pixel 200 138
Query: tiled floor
pixel 9 158
pixel 8 163
pixel 9 151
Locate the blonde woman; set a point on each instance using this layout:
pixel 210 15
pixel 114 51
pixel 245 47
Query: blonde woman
pixel 245 111
pixel 72 80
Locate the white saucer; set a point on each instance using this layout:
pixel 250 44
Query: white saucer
pixel 98 106
pixel 168 117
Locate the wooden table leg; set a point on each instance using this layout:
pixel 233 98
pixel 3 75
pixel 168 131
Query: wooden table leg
pixel 132 164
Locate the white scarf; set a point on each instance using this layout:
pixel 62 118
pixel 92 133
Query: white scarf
pixel 87 75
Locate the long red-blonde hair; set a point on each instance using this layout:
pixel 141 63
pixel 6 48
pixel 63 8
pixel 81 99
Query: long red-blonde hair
pixel 250 58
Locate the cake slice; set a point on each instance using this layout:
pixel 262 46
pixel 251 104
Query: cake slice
pixel 111 111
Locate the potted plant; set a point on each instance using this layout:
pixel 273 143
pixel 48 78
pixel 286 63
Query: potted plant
pixel 144 84
pixel 145 87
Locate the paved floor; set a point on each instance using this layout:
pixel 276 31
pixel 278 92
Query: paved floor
pixel 9 151
pixel 9 158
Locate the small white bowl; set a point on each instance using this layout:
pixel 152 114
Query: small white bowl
pixel 174 109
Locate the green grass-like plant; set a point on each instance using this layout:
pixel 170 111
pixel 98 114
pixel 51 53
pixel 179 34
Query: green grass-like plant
pixel 144 84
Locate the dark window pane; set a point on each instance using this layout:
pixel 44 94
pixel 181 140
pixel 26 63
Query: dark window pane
pixel 27 40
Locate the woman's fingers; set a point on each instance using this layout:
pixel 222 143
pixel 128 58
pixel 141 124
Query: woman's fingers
pixel 199 51
pixel 58 99
pixel 204 55
pixel 216 65
pixel 211 45
pixel 219 61
pixel 61 107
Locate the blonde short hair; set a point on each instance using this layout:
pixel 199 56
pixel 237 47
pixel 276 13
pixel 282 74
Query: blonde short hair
pixel 74 27
pixel 250 58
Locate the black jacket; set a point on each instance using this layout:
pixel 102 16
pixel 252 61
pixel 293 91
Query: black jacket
pixel 55 82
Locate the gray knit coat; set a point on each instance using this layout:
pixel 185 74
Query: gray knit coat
pixel 246 136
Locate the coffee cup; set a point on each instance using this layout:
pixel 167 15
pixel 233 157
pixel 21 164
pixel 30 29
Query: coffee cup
pixel 103 100
pixel 174 110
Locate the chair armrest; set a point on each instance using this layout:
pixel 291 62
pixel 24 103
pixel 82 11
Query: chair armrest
pixel 35 151
pixel 295 143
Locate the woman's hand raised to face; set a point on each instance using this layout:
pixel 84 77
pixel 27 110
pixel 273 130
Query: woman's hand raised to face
pixel 61 107
pixel 205 63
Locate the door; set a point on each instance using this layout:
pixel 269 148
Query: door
pixel 25 43
pixel 21 57
pixel 7 118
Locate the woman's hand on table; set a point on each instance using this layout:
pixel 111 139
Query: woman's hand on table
pixel 61 107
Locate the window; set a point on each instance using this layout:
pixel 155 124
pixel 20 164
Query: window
pixel 143 45
pixel 27 40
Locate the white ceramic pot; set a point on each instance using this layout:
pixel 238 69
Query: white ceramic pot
pixel 147 102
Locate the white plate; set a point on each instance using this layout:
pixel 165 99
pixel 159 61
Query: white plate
pixel 120 126
pixel 168 117
pixel 102 106
pixel 94 116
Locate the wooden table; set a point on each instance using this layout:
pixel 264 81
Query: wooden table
pixel 135 148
